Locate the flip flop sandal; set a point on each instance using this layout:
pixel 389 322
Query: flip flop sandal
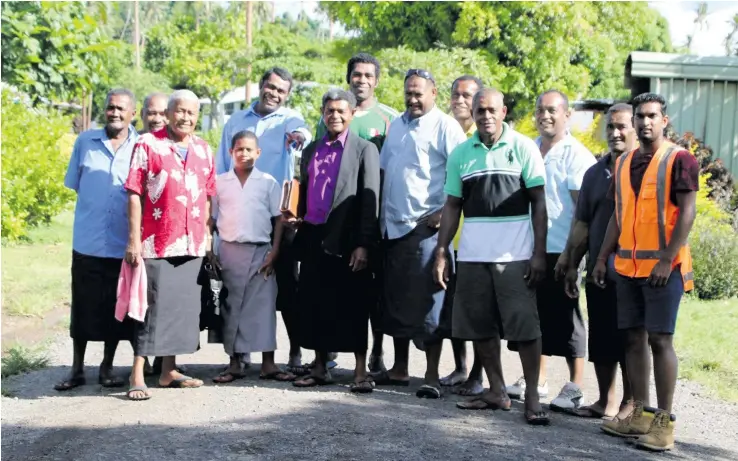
pixel 539 418
pixel 69 384
pixel 383 379
pixel 113 381
pixel 182 383
pixel 312 381
pixel 482 404
pixel 143 389
pixel 299 370
pixel 279 375
pixel 426 391
pixel 364 386
pixel 223 377
pixel 590 412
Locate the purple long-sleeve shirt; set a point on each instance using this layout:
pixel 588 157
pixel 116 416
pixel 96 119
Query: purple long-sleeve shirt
pixel 322 175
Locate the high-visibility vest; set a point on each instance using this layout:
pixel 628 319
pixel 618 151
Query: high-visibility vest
pixel 647 221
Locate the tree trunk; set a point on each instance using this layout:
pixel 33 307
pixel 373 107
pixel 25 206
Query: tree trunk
pixel 249 21
pixel 214 114
pixel 136 38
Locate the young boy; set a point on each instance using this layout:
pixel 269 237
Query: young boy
pixel 247 211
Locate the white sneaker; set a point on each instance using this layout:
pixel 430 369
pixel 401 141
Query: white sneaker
pixel 570 398
pixel 517 390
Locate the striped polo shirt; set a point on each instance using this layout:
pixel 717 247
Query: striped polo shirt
pixel 492 183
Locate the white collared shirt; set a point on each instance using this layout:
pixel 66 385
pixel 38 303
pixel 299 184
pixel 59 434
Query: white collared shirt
pixel 566 162
pixel 244 213
pixel 414 159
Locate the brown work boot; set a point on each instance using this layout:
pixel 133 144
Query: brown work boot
pixel 637 423
pixel 661 435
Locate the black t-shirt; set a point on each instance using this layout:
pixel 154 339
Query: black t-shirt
pixel 596 205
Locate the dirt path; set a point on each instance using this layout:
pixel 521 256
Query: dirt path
pixel 255 420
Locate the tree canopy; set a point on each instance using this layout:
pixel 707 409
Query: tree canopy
pixel 51 50
pixel 577 47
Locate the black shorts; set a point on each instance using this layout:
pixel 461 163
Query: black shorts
pixel 445 330
pixel 642 306
pixel 605 339
pixel 562 324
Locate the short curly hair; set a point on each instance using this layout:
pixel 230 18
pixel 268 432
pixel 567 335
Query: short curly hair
pixel 645 98
pixel 361 58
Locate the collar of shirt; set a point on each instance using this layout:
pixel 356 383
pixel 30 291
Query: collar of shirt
pixel 472 128
pixel 503 141
pixel 341 139
pixel 255 174
pixel 102 135
pixel 361 112
pixel 251 111
pixel 566 140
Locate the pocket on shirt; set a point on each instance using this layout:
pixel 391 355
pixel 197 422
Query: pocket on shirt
pixel 649 208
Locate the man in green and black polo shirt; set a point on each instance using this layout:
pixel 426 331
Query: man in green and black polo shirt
pixel 371 122
pixel 497 178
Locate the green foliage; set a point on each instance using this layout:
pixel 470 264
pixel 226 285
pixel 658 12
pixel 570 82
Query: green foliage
pixel 445 64
pixel 33 165
pixel 121 73
pixel 589 137
pixel 208 59
pixel 51 50
pixel 714 247
pixel 715 259
pixel 212 137
pixel 20 359
pixel 529 46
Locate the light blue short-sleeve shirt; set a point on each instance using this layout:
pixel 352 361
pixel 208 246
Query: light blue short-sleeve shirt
pixel 97 173
pixel 413 158
pixel 276 158
pixel 565 163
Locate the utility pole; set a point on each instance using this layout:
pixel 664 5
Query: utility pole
pixel 249 20
pixel 136 38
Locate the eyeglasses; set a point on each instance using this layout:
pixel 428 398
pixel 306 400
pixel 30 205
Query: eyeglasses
pixel 422 73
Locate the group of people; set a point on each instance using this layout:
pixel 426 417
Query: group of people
pixel 428 225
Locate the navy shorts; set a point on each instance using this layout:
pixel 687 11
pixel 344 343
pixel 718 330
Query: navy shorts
pixel 642 306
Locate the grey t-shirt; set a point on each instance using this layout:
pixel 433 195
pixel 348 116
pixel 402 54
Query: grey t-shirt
pixel 595 207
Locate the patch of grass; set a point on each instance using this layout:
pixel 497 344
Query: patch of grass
pixel 21 359
pixel 6 393
pixel 706 346
pixel 36 275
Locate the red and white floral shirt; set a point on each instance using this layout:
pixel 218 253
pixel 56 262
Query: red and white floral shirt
pixel 174 192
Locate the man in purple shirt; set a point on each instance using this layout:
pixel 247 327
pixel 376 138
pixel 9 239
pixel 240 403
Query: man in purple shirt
pixel 336 237
pixel 323 172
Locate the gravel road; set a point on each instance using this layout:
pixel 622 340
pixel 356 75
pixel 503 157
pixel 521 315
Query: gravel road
pixel 256 420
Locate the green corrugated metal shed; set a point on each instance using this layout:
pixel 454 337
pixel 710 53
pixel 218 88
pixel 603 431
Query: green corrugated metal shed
pixel 701 93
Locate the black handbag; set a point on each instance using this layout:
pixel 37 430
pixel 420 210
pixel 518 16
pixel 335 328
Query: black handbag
pixel 212 295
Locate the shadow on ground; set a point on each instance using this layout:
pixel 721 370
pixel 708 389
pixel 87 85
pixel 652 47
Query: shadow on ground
pixel 316 424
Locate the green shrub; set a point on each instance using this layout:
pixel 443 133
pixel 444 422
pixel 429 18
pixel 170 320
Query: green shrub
pixel 36 145
pixel 714 248
pixel 212 137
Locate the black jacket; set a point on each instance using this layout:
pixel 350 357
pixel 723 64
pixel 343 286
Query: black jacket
pixel 353 219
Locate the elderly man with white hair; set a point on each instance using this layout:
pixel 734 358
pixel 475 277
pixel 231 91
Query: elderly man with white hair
pixel 170 185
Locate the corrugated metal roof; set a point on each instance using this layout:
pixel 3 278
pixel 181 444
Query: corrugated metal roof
pixel 646 64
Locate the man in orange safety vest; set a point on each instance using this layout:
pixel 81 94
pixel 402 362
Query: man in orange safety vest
pixel 655 191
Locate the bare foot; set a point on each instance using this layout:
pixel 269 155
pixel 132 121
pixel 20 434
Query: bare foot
pixel 470 388
pixel 177 379
pixel 455 378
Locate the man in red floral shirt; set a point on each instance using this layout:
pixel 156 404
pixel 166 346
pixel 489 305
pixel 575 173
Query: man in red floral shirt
pixel 170 185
